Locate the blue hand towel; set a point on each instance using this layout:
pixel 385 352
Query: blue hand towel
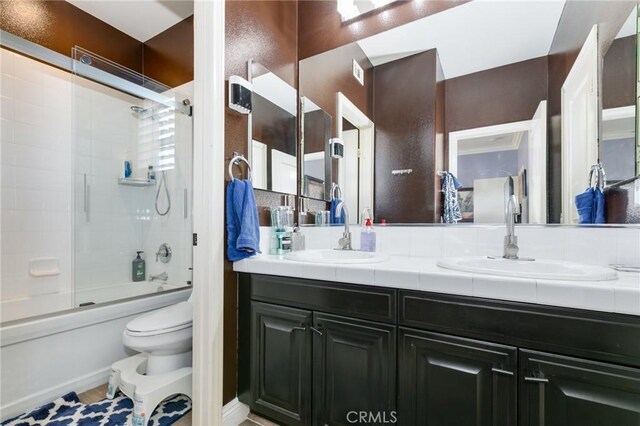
pixel 598 211
pixel 451 209
pixel 585 203
pixel 591 206
pixel 332 211
pixel 243 226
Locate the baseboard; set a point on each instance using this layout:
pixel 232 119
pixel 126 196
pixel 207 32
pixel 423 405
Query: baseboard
pixel 79 384
pixel 234 413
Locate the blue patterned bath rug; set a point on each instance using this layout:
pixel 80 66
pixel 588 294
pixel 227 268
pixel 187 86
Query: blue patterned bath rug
pixel 69 411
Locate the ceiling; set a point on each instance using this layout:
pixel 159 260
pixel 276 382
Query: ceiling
pixel 493 143
pixel 472 37
pixel 141 19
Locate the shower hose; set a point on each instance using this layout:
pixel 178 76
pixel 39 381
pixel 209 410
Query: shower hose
pixel 166 191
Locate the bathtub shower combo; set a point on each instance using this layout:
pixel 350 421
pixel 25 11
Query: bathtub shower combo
pixel 96 166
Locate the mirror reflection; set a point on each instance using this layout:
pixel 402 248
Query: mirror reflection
pixel 272 133
pixel 316 177
pixel 502 96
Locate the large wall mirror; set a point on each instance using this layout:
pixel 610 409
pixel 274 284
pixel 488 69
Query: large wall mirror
pixel 487 91
pixel 272 131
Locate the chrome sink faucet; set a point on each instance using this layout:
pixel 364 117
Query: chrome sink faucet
pixel 510 240
pixel 345 242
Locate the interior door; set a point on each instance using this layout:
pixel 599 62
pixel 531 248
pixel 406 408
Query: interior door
pixel 563 391
pixel 537 172
pixel 351 177
pixel 449 381
pixel 354 371
pixel 283 172
pixel 579 125
pixel 281 363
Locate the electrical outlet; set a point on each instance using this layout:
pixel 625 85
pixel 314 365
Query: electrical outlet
pixel 358 72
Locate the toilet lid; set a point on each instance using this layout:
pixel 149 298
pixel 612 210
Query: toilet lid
pixel 171 318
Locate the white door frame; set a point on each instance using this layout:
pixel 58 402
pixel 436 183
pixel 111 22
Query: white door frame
pixel 579 152
pixel 537 156
pixel 208 211
pixel 347 110
pixel 479 132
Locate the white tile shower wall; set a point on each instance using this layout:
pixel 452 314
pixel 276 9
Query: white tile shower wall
pixel 57 128
pixel 109 234
pixel 593 245
pixel 173 228
pixel 36 181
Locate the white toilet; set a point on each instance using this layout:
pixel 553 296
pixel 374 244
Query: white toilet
pixel 165 335
pixel 163 367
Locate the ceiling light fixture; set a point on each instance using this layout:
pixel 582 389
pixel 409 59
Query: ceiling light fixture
pixel 350 9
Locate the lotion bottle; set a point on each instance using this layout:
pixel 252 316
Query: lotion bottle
pixel 368 234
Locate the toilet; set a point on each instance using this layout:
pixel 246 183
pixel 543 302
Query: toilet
pixel 163 367
pixel 165 335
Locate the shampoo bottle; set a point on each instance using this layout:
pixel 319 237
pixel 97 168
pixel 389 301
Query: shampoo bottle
pixel 138 272
pixel 368 237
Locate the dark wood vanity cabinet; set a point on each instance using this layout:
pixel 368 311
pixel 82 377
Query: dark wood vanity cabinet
pixel 563 391
pixel 447 380
pixel 281 363
pixel 354 369
pixel 318 353
pixel 311 367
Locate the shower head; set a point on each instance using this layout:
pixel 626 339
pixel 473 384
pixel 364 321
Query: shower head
pixel 138 109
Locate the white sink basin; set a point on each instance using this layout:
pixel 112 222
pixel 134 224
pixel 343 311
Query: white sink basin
pixel 336 256
pixel 537 269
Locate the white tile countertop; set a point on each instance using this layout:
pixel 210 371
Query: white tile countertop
pixel 422 273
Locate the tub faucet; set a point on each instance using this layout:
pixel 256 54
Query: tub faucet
pixel 160 277
pixel 510 240
pixel 345 242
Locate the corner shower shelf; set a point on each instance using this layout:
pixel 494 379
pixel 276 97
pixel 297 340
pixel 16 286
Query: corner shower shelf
pixel 136 182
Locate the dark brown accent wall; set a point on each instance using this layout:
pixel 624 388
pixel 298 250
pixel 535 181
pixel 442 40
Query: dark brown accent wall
pixel 324 75
pixel 578 17
pixel 619 73
pixel 58 25
pixel 496 96
pixel 265 31
pixel 168 57
pixel 321 28
pixel 406 121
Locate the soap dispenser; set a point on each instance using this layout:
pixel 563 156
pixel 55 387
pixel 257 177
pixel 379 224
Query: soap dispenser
pixel 367 234
pixel 138 272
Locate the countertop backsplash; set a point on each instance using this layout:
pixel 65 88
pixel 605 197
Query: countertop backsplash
pixel 592 245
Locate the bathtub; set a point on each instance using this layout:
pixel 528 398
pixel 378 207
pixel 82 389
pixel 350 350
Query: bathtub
pixel 15 309
pixel 45 357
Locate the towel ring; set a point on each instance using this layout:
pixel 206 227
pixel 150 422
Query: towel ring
pixel 601 180
pixel 235 161
pixel 334 189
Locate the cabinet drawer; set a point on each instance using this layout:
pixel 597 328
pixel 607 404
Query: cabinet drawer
pixel 587 334
pixel 374 303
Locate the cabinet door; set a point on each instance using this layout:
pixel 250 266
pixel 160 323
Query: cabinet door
pixel 354 373
pixel 563 391
pixel 451 381
pixel 281 363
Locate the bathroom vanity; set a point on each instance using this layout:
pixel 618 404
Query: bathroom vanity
pixel 319 352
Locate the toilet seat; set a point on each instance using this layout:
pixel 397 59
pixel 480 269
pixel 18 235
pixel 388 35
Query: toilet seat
pixel 166 320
